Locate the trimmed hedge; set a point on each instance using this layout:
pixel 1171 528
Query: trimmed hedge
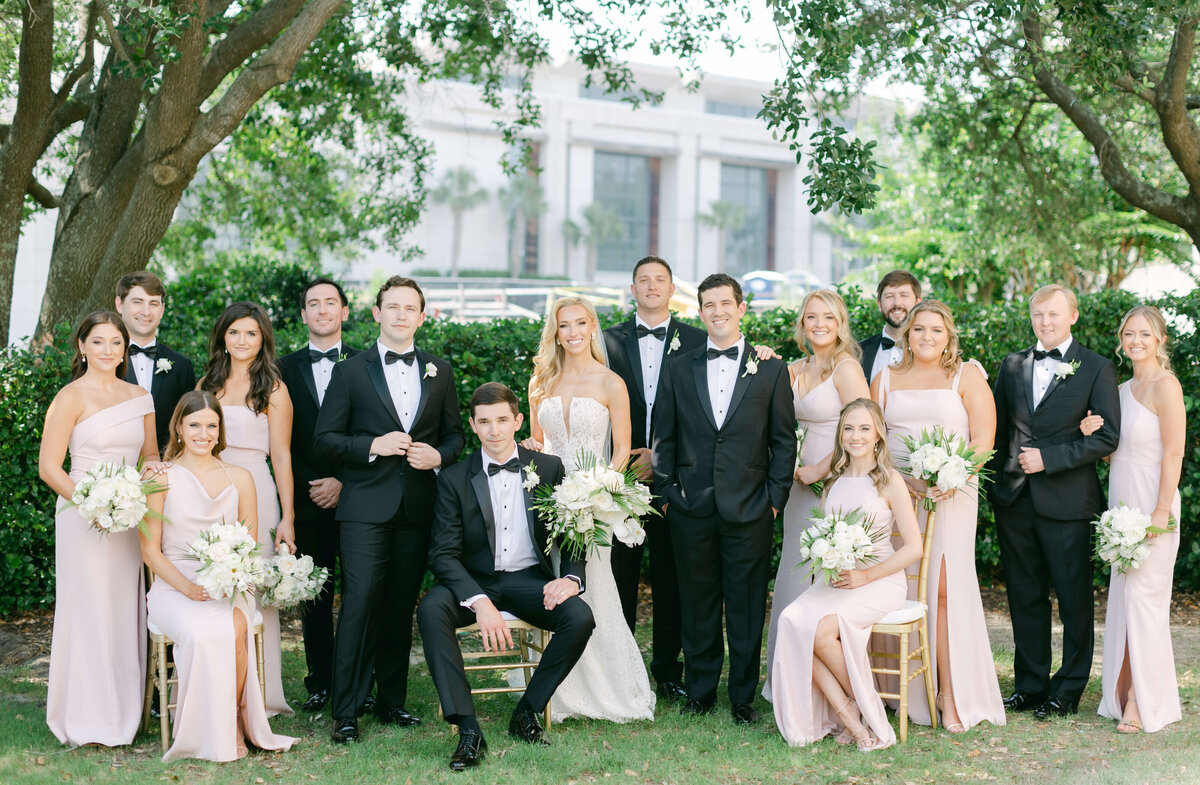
pixel 502 350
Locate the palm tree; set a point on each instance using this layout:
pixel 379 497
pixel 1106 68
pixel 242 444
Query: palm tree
pixel 457 191
pixel 724 217
pixel 524 198
pixel 601 224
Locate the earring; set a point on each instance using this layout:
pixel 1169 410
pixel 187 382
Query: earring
pixel 83 359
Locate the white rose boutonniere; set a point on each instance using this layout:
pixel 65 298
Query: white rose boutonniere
pixel 1063 370
pixel 751 367
pixel 163 365
pixel 674 343
pixel 531 478
pixel 430 371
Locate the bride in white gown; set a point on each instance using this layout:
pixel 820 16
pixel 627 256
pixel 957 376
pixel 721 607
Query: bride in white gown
pixel 575 403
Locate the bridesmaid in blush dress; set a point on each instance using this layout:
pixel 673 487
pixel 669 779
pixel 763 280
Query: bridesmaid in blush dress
pixel 1138 685
pixel 218 702
pixel 243 375
pixel 821 678
pixel 826 380
pixel 932 386
pixel 98 653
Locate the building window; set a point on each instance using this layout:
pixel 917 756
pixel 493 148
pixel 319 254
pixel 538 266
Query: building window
pixel 731 109
pixel 626 185
pixel 748 246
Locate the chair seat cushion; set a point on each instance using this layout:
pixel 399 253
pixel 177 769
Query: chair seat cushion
pixel 911 611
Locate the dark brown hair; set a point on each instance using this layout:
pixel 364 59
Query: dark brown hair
pixel 898 278
pixel 645 260
pixel 143 278
pixel 395 282
pixel 322 282
pixel 89 323
pixel 192 402
pixel 264 374
pixel 715 281
pixel 489 393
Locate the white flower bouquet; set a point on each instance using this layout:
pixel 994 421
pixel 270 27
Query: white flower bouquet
pixel 817 487
pixel 591 505
pixel 943 460
pixel 290 580
pixel 837 541
pixel 229 561
pixel 1122 537
pixel 112 498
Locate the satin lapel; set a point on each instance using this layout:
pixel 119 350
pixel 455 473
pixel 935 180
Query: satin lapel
pixel 1027 380
pixel 310 381
pixel 740 384
pixel 426 381
pixel 130 374
pixel 156 378
pixel 1054 380
pixel 375 372
pixel 479 483
pixel 700 377
pixel 633 355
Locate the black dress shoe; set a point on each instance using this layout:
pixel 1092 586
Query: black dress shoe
pixel 395 715
pixel 698 706
pixel 316 701
pixel 368 705
pixel 744 714
pixel 471 749
pixel 672 691
pixel 345 730
pixel 1023 701
pixel 524 725
pixel 1055 707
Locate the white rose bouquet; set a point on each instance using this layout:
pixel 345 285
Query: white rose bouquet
pixel 289 580
pixel 1122 537
pixel 591 505
pixel 229 561
pixel 112 498
pixel 943 460
pixel 817 487
pixel 837 541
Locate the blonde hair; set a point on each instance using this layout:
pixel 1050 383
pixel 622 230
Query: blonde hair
pixel 1158 327
pixel 1051 289
pixel 881 475
pixel 548 362
pixel 950 356
pixel 844 343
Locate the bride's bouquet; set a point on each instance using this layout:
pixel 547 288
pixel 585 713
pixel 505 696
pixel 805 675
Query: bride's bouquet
pixel 112 498
pixel 943 460
pixel 1122 537
pixel 591 505
pixel 229 561
pixel 837 541
pixel 290 580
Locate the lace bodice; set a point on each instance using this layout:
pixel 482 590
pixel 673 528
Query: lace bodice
pixel 586 427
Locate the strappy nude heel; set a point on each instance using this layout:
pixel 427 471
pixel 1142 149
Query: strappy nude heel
pixel 939 702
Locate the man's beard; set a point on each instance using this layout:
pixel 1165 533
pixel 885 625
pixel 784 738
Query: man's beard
pixel 895 325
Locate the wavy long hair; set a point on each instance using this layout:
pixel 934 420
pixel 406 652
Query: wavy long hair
pixel 844 343
pixel 1158 326
pixel 86 325
pixel 951 358
pixel 191 402
pixel 264 373
pixel 882 473
pixel 548 362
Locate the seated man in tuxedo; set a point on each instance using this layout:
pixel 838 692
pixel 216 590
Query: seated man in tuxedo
pixel 488 552
pixel 898 293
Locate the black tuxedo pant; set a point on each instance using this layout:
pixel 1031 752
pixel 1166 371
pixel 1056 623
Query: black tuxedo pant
pixel 1039 553
pixel 318 537
pixel 519 593
pixel 667 645
pixel 722 563
pixel 383 566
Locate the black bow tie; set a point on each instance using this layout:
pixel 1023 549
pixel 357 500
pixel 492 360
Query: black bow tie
pixel 317 356
pixel 512 466
pixel 407 357
pixel 731 353
pixel 149 351
pixel 886 343
pixel 659 332
pixel 1038 354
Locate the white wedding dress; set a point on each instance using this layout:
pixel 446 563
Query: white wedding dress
pixel 609 682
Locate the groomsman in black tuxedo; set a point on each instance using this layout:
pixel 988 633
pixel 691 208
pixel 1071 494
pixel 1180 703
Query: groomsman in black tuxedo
pixel 306 372
pixel 637 351
pixel 724 452
pixel 1045 495
pixel 155 367
pixel 488 554
pixel 898 293
pixel 389 419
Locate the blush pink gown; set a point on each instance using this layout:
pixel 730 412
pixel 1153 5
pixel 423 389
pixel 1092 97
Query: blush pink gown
pixel 207 704
pixel 98 653
pixel 1139 601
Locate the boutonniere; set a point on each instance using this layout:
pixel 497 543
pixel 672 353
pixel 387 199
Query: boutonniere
pixel 751 367
pixel 163 365
pixel 531 478
pixel 1063 370
pixel 674 343
pixel 343 355
pixel 430 371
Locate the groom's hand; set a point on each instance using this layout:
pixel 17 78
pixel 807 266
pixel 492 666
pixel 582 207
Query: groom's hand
pixel 492 628
pixel 641 464
pixel 394 443
pixel 1031 460
pixel 558 591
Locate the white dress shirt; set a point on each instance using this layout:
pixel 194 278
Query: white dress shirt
pixel 404 385
pixel 651 352
pixel 1043 371
pixel 322 369
pixel 884 357
pixel 722 376
pixel 143 367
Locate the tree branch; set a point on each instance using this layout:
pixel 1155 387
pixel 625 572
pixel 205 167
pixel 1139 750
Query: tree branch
pixel 1179 131
pixel 240 43
pixel 41 194
pixel 1126 84
pixel 86 64
pixel 114 35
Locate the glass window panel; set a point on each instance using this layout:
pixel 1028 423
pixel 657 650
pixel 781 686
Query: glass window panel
pixel 622 184
pixel 746 245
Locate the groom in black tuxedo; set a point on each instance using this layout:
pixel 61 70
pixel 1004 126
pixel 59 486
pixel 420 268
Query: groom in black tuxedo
pixel 488 553
pixel 389 418
pixel 1046 494
pixel 724 453
pixel 637 350
pixel 306 372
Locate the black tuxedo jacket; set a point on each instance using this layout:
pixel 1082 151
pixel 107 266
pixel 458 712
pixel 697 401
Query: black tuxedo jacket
pixel 1068 489
pixel 462 550
pixel 624 358
pixel 740 470
pixel 166 388
pixel 870 348
pixel 357 408
pixel 307 463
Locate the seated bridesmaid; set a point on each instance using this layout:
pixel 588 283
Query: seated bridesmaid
pixel 821 678
pixel 219 706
